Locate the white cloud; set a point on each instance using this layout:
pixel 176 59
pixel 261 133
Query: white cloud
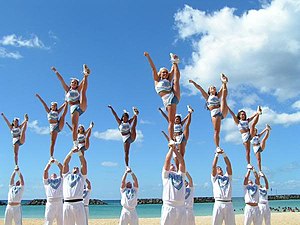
pixel 109 164
pixel 269 117
pixel 34 125
pixel 115 135
pixel 296 105
pixel 145 122
pixel 14 40
pixel 5 54
pixel 253 49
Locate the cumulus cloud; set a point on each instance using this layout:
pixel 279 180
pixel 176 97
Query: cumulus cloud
pixel 253 48
pixel 6 54
pixel 269 117
pixel 115 135
pixel 109 164
pixel 296 105
pixel 145 122
pixel 34 125
pixel 15 41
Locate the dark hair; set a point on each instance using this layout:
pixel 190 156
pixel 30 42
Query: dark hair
pixel 12 123
pixel 124 114
pixel 83 129
pixel 208 92
pixel 239 113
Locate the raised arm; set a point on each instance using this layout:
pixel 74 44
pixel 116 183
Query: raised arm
pixel 168 159
pixel 89 186
pixel 6 120
pixel 115 114
pixel 135 180
pixel 66 162
pixel 247 177
pixel 12 178
pixel 59 165
pixel 191 183
pixel 180 159
pixel 214 165
pixel 154 70
pixel 63 83
pixel 46 170
pixel 123 181
pixel 257 181
pixel 43 103
pixel 203 92
pixel 21 178
pixel 266 181
pixel 65 104
pixel 236 120
pixel 163 114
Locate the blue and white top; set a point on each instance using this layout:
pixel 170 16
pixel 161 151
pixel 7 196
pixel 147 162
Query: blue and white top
pixel 255 140
pixel 16 132
pixel 163 85
pixel 222 187
pixel 177 128
pixel 129 197
pixel 213 101
pixel 72 95
pixel 124 128
pixel 243 125
pixel 53 115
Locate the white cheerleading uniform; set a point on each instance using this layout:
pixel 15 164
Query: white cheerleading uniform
pixel 53 116
pixel 169 98
pixel 251 213
pixel 86 200
pixel 263 205
pixel 256 144
pixel 223 209
pixel 15 195
pixel 73 208
pixel 243 125
pixel 173 209
pixel 214 101
pixel 54 205
pixel 129 203
pixel 189 204
pixel 16 135
pixel 124 128
pixel 81 141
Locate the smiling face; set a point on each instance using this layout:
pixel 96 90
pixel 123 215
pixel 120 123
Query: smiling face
pixel 177 120
pixel 125 117
pixel 212 90
pixel 75 170
pixel 242 115
pixel 53 106
pixel 163 73
pixel 16 122
pixel 81 129
pixel 128 184
pixel 74 84
pixel 219 171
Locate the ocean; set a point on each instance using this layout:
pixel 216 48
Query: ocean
pixel 113 209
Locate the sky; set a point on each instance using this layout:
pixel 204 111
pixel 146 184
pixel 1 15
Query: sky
pixel 255 43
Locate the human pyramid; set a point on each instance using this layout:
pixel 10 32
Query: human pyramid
pixel 68 193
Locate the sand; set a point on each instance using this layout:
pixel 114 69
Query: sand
pixel 287 218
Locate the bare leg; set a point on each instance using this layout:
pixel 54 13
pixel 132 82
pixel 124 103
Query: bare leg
pixel 74 118
pixel 258 156
pixel 133 128
pixel 87 139
pixel 61 121
pixel 83 98
pixel 22 137
pixel 224 107
pixel 252 127
pixel 53 136
pixel 16 153
pixel 126 149
pixel 217 126
pixel 171 116
pixel 247 147
pixel 176 86
pixel 264 140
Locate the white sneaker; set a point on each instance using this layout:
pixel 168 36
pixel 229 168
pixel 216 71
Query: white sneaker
pixel 259 110
pixel 260 173
pixel 16 167
pixel 249 166
pixel 91 125
pixel 135 111
pixel 128 169
pixel 86 70
pixel 51 158
pixel 224 79
pixel 174 58
pixel 219 150
pixel 190 109
pixel 268 127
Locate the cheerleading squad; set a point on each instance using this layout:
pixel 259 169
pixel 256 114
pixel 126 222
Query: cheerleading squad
pixel 68 191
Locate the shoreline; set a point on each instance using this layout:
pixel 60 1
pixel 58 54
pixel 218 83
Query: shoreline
pixel 286 218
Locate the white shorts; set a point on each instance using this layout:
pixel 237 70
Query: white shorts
pixel 74 213
pixel 246 137
pixel 13 213
pixel 265 213
pixel 173 215
pixel 190 217
pixel 257 148
pixel 252 214
pixel 87 213
pixel 54 210
pixel 223 211
pixel 128 217
pixel 216 112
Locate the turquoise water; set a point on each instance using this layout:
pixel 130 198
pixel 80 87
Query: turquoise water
pixel 113 209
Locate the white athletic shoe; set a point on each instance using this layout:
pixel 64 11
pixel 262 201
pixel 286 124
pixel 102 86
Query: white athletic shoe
pixel 91 124
pixel 260 173
pixel 259 110
pixel 219 150
pixel 86 70
pixel 268 127
pixel 51 158
pixel 249 166
pixel 190 109
pixel 224 79
pixel 26 117
pixel 174 58
pixel 135 111
pixel 128 169
pixel 16 167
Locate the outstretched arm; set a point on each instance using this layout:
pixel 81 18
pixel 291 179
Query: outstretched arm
pixel 12 178
pixel 163 114
pixel 6 120
pixel 43 103
pixel 135 180
pixel 21 178
pixel 228 164
pixel 89 186
pixel 65 104
pixel 115 114
pixel 154 71
pixel 46 170
pixel 191 184
pixel 266 182
pixel 257 181
pixel 180 159
pixel 247 177
pixel 123 181
pixel 203 92
pixel 236 120
pixel 168 160
pixel 214 165
pixel 63 83
pixel 66 162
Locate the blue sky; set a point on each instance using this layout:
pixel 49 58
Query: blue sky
pixel 256 43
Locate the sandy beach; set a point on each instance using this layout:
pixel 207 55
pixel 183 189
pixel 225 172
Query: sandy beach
pixel 286 218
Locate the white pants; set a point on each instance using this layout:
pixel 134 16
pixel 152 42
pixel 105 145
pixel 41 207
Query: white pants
pixel 190 217
pixel 265 213
pixel 13 213
pixel 87 212
pixel 252 214
pixel 173 215
pixel 74 213
pixel 54 210
pixel 223 211
pixel 128 217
